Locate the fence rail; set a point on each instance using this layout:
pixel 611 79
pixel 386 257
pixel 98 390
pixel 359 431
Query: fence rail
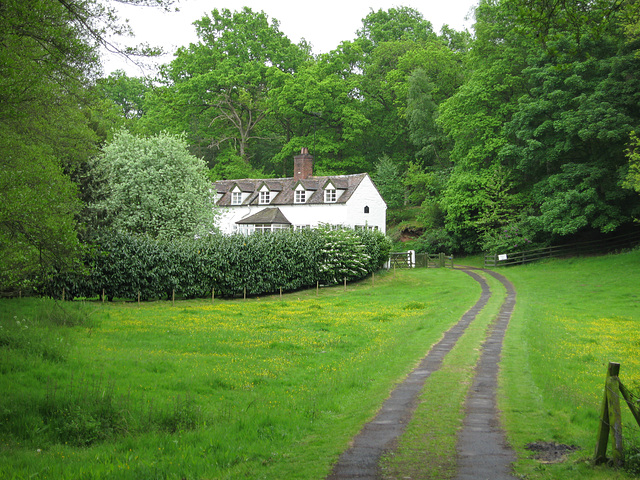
pixel 584 248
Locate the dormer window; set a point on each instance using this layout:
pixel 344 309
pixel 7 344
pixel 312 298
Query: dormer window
pixel 265 197
pixel 330 195
pixel 300 196
pixel 236 198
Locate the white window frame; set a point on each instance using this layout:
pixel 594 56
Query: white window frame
pixel 330 195
pixel 265 197
pixel 251 228
pixel 236 198
pixel 300 196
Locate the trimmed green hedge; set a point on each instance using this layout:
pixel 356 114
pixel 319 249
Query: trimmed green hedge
pixel 123 265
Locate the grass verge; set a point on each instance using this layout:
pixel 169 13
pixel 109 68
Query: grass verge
pixel 572 317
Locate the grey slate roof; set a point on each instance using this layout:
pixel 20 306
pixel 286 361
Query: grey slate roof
pixel 267 216
pixel 282 189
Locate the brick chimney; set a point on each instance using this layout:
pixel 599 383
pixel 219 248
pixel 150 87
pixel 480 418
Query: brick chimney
pixel 302 165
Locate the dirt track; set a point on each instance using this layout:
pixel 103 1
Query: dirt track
pixel 482 450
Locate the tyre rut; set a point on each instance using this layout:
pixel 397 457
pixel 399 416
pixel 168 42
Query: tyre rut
pixel 361 459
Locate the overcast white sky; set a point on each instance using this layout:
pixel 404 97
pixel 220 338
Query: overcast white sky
pixel 323 23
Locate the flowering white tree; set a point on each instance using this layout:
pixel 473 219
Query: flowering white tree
pixel 154 186
pixel 343 256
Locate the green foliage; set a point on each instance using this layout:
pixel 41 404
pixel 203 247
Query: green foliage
pixel 438 240
pixel 44 135
pixel 317 108
pixel 125 265
pixel 216 90
pixel 541 125
pixel 388 180
pixel 153 186
pixel 50 124
pixel 37 215
pixel 402 23
pixel 632 179
pixel 512 238
pixel 126 92
pixel 343 256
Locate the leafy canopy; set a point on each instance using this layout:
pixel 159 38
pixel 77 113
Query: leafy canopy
pixel 154 186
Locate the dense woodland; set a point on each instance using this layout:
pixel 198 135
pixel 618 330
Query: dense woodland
pixel 520 132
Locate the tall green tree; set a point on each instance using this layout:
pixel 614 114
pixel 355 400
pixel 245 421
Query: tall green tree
pixel 319 107
pixel 395 44
pixel 567 141
pixel 389 182
pixel 541 125
pixel 215 90
pixel 473 119
pixel 49 56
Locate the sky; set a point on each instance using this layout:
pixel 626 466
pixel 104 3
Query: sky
pixel 323 23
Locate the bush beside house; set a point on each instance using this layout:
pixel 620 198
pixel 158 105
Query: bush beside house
pixel 124 265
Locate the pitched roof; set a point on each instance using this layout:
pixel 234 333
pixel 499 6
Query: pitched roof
pixel 266 216
pixel 284 188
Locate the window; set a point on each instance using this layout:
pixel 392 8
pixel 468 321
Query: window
pixel 236 198
pixel 366 209
pixel 260 228
pixel 300 197
pixel 330 195
pixel 265 197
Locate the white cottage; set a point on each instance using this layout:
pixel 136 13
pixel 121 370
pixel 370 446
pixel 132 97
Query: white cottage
pixel 303 201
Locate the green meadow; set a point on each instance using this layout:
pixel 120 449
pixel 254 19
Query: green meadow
pixel 257 388
pixel 274 388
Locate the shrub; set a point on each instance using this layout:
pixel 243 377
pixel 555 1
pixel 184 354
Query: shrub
pixel 124 265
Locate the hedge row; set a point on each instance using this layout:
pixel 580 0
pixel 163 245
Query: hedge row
pixel 125 265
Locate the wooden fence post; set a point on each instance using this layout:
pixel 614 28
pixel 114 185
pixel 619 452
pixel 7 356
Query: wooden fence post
pixel 173 298
pixel 615 419
pixel 213 293
pixel 317 287
pixel 345 284
pixel 609 418
pixel 103 295
pixel 373 279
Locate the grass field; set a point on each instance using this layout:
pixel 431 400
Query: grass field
pixel 572 318
pixel 275 389
pixel 261 388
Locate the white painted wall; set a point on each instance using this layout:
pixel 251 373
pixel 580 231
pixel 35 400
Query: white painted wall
pixel 367 196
